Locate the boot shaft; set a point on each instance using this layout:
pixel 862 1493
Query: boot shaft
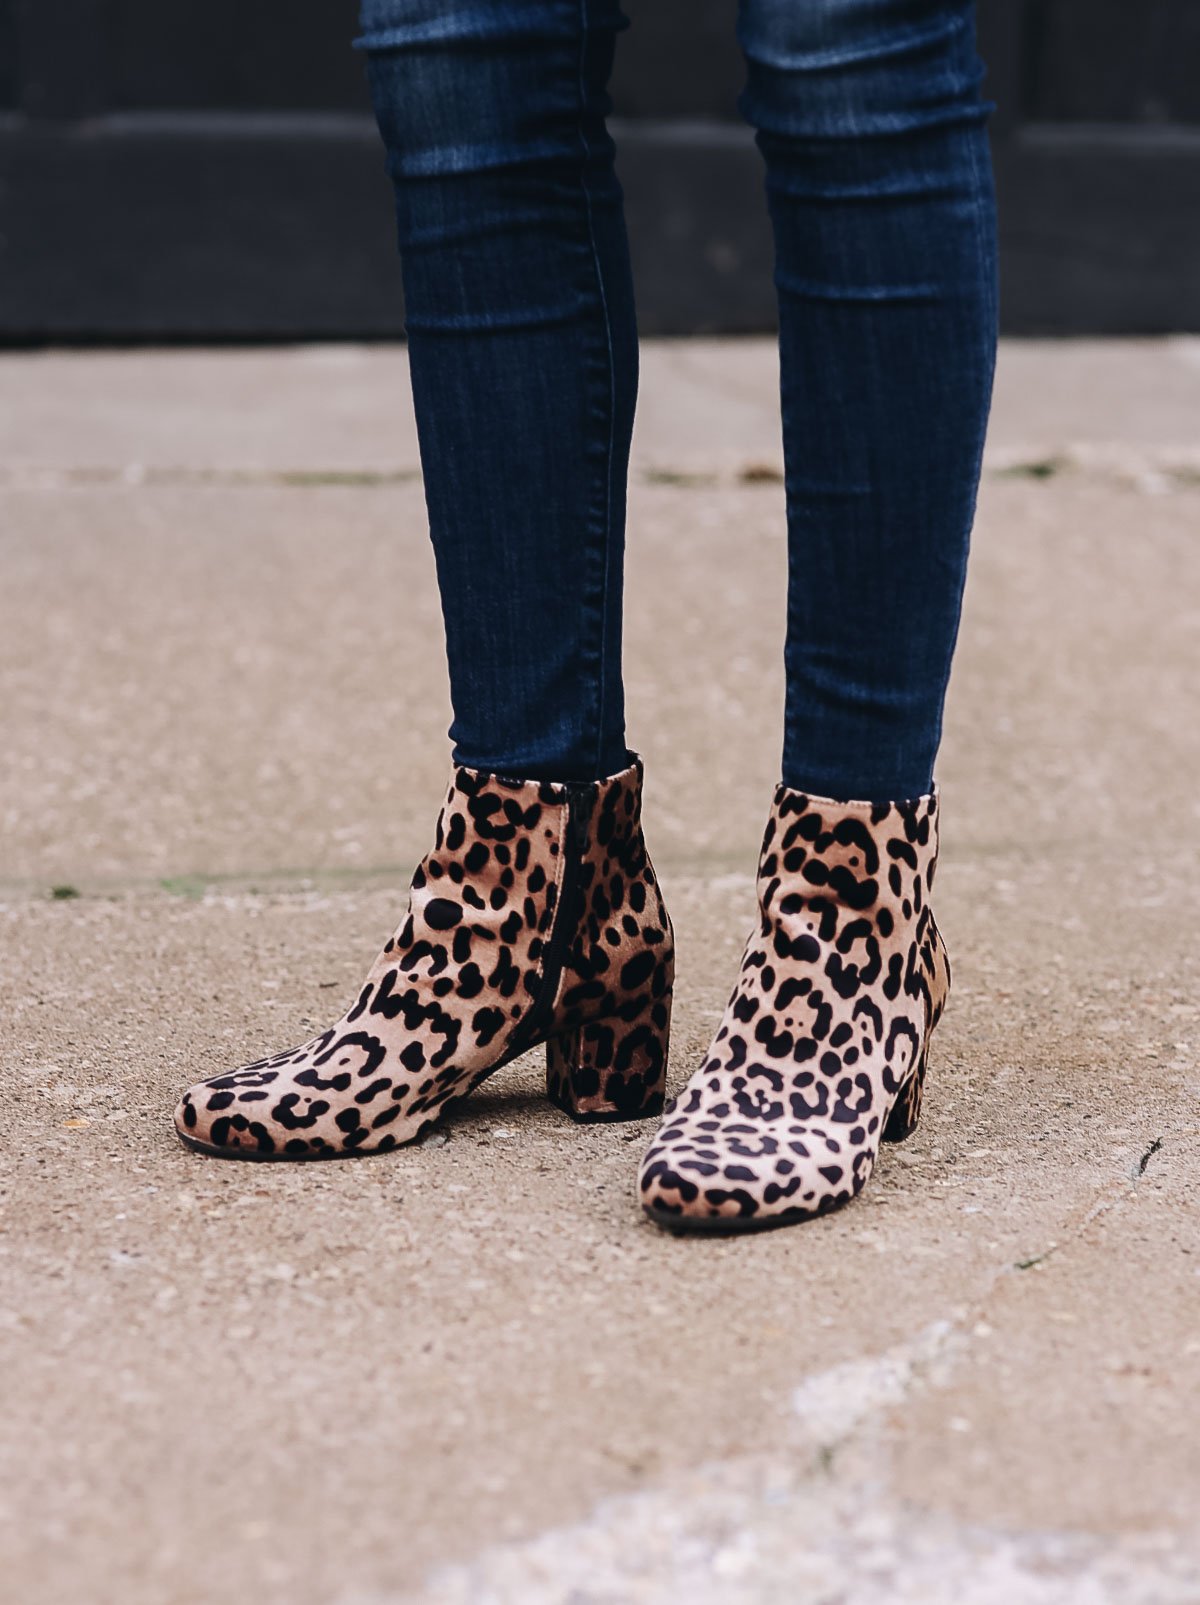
pixel 554 877
pixel 856 857
pixel 856 877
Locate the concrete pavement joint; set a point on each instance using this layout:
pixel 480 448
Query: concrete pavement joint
pixel 138 475
pixel 721 867
pixel 1152 471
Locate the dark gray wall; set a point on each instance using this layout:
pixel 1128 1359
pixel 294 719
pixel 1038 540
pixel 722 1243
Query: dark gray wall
pixel 207 169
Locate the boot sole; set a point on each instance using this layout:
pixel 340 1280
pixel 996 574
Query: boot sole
pixel 894 1131
pixel 256 1156
pixel 732 1225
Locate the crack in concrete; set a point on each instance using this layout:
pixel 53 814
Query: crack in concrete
pixel 1154 1147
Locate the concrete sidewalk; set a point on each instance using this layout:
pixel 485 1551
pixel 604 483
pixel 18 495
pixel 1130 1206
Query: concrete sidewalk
pixel 468 1371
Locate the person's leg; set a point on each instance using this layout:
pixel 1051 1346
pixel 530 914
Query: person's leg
pixel 523 350
pixel 869 116
pixel 536 917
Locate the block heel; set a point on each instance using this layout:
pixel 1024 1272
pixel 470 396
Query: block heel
pixel 613 1069
pixel 906 1111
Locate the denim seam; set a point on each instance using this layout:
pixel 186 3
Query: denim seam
pixel 984 197
pixel 602 666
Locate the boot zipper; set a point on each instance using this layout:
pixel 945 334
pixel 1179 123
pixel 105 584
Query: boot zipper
pixel 579 813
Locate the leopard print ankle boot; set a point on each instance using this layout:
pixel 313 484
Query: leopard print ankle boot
pixel 536 918
pixel 822 1049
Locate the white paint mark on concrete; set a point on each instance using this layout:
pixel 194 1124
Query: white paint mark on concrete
pixel 748 1534
pixel 791 1531
pixel 831 1405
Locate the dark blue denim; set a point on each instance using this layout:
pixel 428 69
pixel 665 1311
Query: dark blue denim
pixel 523 347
